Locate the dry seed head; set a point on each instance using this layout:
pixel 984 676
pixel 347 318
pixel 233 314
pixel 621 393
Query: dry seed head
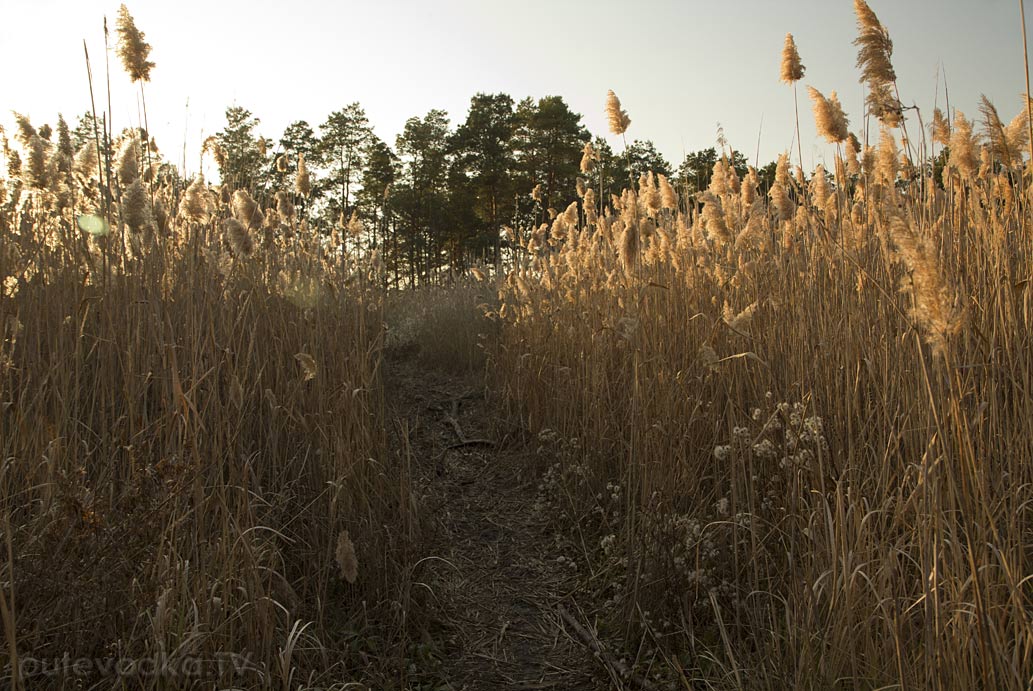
pixel 875 49
pixel 237 238
pixel 618 117
pixel 128 162
pixel 309 369
pixel 86 158
pixel 629 247
pixel 962 147
pixel 196 202
pixel 668 197
pixel 34 171
pixel 246 210
pixel 284 207
pixel 136 208
pixel 303 182
pixel 940 128
pixel 829 116
pixel 792 68
pixel 588 158
pixel 887 163
pixel 132 48
pixel 936 306
pixel 347 562
pixel 25 129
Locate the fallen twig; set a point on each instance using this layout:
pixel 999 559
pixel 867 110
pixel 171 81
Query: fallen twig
pixel 613 666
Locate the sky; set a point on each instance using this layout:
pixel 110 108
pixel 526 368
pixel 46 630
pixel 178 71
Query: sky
pixel 680 67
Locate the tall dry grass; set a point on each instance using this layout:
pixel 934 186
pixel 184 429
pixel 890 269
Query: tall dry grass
pixel 796 425
pixel 194 475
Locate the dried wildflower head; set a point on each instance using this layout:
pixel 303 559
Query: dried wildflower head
pixel 132 48
pixel 618 117
pixel 792 68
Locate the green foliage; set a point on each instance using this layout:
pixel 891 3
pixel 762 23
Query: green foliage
pixel 243 157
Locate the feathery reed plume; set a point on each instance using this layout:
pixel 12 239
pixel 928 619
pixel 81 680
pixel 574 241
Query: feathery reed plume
pixel 284 207
pixel 998 134
pixel 195 204
pixel 792 68
pixel 1016 135
pixel 309 368
pixel 25 129
pixel 211 145
pixel 128 161
pixel 668 197
pixel 618 118
pixel 962 147
pixel 355 226
pixel 935 303
pixel 887 159
pixel 347 562
pixel 132 48
pixel 238 238
pixel 828 115
pixel 779 193
pixel 874 53
pixel 940 128
pixel 714 218
pixel 303 183
pixel 589 156
pixel 281 163
pixel 853 151
pixel 820 189
pixel 85 163
pixel 136 207
pixel 246 210
pixel 34 171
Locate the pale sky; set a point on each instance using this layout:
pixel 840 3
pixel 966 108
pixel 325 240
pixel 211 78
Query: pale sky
pixel 679 66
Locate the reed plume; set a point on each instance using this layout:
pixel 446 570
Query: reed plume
pixel 34 171
pixel 246 210
pixel 829 116
pixel 128 161
pixel 792 68
pixel 589 156
pixel 303 182
pixel 238 238
pixel 874 59
pixel 347 562
pixel 962 148
pixel 935 302
pixel 132 49
pixel 136 207
pixel 940 128
pixel 618 117
pixel 195 204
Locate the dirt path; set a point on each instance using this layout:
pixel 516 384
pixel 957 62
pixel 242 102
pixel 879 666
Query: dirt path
pixel 499 582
